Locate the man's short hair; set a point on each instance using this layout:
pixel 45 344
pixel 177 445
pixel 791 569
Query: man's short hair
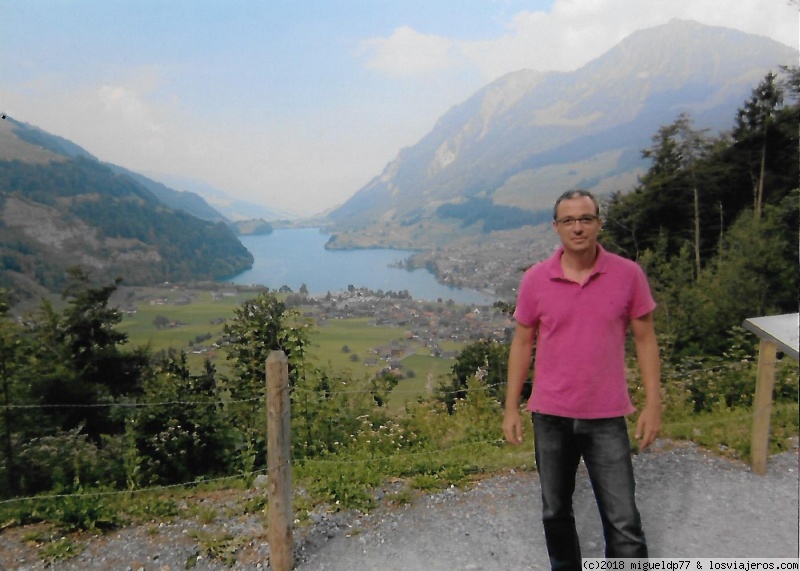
pixel 575 193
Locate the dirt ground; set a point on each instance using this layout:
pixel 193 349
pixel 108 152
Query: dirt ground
pixel 693 504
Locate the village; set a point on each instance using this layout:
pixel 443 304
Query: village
pixel 423 324
pixel 491 263
pixel 434 328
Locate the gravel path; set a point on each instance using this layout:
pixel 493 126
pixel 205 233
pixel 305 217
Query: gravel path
pixel 693 504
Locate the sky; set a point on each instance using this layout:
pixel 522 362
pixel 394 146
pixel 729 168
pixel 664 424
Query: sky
pixel 294 104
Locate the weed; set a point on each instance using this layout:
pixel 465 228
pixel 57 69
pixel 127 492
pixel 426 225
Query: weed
pixel 399 498
pixel 204 514
pixel 427 482
pixel 60 550
pixel 255 504
pixel 151 506
pixel 83 511
pixel 219 547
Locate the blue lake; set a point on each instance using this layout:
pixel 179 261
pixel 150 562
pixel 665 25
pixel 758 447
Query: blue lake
pixel 293 257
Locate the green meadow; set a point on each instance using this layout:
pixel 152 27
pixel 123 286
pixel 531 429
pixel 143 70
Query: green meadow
pixel 340 346
pixel 202 318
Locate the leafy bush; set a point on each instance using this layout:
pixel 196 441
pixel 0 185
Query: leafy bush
pixel 62 461
pixel 83 511
pixel 185 434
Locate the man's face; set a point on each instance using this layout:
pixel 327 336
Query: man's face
pixel 577 224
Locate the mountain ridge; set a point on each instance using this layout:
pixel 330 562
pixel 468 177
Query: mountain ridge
pixel 61 207
pixel 527 136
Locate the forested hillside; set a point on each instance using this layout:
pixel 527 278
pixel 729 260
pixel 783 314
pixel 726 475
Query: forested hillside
pixel 63 210
pixel 714 221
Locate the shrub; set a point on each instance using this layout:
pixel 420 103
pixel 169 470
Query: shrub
pixel 61 461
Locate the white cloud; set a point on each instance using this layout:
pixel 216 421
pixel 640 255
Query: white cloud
pixel 573 33
pixel 127 106
pixel 408 52
pixel 140 118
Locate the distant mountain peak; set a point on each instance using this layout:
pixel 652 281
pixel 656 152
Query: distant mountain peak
pixel 525 137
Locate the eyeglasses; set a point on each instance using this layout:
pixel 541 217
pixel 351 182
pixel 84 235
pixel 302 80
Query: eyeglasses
pixel 570 221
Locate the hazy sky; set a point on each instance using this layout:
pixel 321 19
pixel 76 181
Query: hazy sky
pixel 297 104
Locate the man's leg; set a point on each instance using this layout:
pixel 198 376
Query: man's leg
pixel 607 455
pixel 557 460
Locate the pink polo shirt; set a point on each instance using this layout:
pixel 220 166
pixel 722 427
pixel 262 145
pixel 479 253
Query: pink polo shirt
pixel 580 337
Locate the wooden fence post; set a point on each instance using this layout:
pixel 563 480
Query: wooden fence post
pixel 776 332
pixel 279 533
pixel 762 406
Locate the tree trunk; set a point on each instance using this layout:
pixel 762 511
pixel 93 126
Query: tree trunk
pixel 760 190
pixel 696 233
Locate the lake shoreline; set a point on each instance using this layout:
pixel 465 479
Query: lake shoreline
pixel 295 258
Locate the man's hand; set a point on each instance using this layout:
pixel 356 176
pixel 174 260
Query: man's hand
pixel 512 426
pixel 644 336
pixel 648 426
pixel 519 360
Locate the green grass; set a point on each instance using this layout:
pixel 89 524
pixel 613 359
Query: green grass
pixel 358 335
pixel 195 320
pixel 428 371
pixel 361 338
pixel 729 431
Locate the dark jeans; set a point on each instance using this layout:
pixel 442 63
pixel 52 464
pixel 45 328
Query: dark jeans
pixel 605 447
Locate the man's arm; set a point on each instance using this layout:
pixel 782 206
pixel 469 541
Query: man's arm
pixel 644 336
pixel 519 359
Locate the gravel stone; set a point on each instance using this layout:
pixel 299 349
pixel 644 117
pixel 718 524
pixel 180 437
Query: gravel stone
pixel 693 504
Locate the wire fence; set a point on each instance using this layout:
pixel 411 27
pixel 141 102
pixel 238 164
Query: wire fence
pixel 378 456
pixel 396 391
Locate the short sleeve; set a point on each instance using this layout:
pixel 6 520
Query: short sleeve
pixel 526 311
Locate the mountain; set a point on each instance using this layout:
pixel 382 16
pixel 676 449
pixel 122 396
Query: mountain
pixel 177 200
pixel 499 159
pixel 61 207
pixel 232 208
pixel 189 202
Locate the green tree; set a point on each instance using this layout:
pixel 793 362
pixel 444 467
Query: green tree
pixel 259 326
pixel 790 83
pixel 81 368
pixel 380 386
pixel 15 351
pixel 184 433
pixel 486 359
pixel 672 280
pixel 667 202
pixel 738 270
pixel 753 123
pixel 756 274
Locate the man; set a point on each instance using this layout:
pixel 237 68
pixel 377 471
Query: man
pixel 577 307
